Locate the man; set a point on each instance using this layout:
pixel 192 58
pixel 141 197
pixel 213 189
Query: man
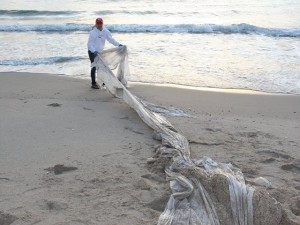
pixel 96 44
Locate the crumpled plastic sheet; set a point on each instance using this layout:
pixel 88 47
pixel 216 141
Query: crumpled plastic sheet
pixel 189 203
pixel 116 58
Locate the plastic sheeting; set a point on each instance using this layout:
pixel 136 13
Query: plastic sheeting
pixel 190 203
pixel 116 58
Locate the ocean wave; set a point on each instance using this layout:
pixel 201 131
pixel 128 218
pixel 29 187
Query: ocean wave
pixel 108 12
pixel 46 28
pixel 206 29
pixel 42 61
pixel 140 28
pixel 36 13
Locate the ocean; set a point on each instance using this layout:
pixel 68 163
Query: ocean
pixel 230 44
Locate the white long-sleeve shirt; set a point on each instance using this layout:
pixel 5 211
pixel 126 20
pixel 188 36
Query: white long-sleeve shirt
pixel 97 39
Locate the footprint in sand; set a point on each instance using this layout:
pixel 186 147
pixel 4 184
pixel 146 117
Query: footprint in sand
pixel 59 169
pixel 54 104
pixel 293 210
pixel 275 155
pixel 7 219
pixel 292 167
pixel 295 206
pixel 154 177
pixel 159 204
pixel 214 129
pixel 54 205
pixel 133 130
pixel 256 134
pixel 89 109
pixel 270 160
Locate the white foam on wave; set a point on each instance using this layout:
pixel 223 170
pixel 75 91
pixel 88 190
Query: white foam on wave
pixel 36 13
pixel 43 61
pixel 167 28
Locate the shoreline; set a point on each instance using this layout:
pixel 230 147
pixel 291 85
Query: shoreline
pixel 180 86
pixel 212 89
pixel 55 120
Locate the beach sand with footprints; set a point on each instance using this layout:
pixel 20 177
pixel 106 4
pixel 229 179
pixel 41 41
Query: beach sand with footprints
pixel 72 155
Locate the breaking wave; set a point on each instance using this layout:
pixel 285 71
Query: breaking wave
pixel 108 12
pixel 36 13
pixel 140 28
pixel 43 61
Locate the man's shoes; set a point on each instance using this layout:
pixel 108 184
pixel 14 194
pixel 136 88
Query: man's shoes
pixel 95 86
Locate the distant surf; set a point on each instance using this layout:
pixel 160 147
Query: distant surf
pixel 242 28
pixel 30 13
pixel 45 61
pixel 35 13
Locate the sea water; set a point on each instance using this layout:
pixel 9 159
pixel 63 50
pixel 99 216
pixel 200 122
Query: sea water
pixel 252 45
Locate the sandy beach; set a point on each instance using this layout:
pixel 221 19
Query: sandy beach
pixel 73 155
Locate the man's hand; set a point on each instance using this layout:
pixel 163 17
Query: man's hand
pixel 95 53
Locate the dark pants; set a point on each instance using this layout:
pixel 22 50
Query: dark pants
pixel 93 70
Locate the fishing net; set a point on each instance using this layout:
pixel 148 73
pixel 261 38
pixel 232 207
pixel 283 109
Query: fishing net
pixel 202 191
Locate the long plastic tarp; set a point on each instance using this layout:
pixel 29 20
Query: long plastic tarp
pixel 193 201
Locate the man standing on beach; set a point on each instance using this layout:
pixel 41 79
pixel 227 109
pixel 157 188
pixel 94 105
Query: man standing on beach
pixel 96 44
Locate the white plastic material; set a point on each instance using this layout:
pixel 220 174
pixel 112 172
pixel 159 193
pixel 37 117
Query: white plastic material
pixel 115 58
pixel 261 181
pixel 189 203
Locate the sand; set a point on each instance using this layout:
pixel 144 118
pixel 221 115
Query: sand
pixel 73 155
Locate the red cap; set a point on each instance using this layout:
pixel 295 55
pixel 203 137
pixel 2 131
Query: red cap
pixel 99 20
